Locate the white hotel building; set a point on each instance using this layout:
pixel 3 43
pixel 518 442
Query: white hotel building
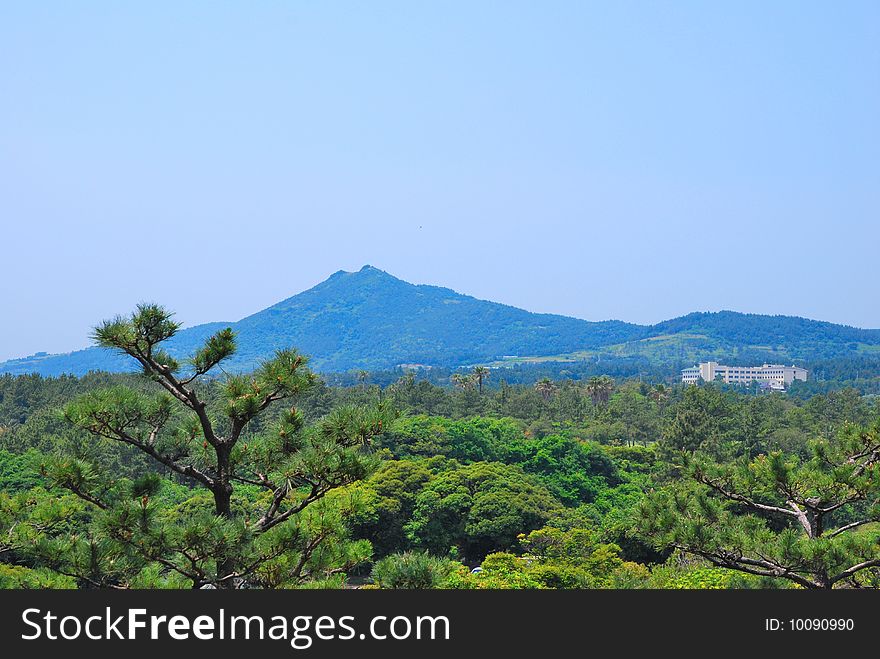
pixel 776 375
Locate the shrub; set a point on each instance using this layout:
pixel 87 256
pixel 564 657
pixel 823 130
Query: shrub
pixel 412 570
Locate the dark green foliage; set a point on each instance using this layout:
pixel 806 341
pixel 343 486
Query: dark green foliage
pixel 798 338
pixel 390 499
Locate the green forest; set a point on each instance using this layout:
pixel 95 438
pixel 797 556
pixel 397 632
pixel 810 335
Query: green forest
pixel 185 475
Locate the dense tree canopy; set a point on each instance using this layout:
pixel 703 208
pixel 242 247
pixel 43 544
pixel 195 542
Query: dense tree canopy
pixel 287 480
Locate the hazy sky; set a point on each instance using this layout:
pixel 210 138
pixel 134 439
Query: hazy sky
pixel 632 160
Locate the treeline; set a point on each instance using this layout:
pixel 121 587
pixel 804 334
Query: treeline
pixel 859 371
pixel 19 395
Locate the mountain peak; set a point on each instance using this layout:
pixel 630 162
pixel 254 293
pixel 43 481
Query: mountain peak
pixel 365 270
pixel 371 275
pixel 375 272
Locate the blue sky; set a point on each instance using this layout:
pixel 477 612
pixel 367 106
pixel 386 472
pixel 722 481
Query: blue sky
pixel 632 160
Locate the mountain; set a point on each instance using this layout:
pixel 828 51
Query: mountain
pixel 371 320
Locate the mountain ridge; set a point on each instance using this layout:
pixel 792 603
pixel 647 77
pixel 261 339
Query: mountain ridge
pixel 369 319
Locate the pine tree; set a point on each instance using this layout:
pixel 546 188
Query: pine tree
pixel 814 522
pixel 270 485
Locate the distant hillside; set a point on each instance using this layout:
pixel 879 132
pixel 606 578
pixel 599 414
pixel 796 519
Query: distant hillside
pixel 371 320
pixel 729 332
pixel 750 338
pixel 735 337
pixel 81 362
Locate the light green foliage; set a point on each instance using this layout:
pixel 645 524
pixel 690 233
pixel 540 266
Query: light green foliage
pixel 16 576
pixel 700 578
pixel 467 440
pixel 499 571
pixel 576 558
pixel 687 572
pixel 592 566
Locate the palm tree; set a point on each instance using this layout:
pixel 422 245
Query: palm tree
pixel 480 373
pixel 607 388
pixel 592 388
pixel 600 388
pixel 546 388
pixel 363 376
pixel 660 393
pixel 462 381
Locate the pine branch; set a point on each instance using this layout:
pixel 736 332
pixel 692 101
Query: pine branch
pixel 875 562
pixel 117 434
pixel 739 498
pixel 848 527
pixel 85 496
pixel 271 519
pixel 757 567
pixel 172 385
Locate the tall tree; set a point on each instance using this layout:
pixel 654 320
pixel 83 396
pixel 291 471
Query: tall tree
pixel 659 394
pixel 600 388
pixel 212 446
pixel 546 388
pixel 479 374
pixel 462 381
pixel 363 377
